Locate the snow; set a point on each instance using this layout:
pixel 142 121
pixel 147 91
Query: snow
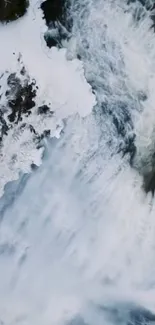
pixel 61 84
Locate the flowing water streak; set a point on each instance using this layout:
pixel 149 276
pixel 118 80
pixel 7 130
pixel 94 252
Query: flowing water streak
pixel 117 45
pixel 79 242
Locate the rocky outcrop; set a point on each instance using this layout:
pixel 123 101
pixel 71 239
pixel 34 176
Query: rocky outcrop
pixel 26 121
pixel 12 9
pixel 53 10
pixel 149 182
pixel 20 98
pixel 55 13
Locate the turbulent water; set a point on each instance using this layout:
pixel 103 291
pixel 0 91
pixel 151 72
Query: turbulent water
pixel 77 237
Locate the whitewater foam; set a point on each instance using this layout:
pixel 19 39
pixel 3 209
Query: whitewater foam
pixel 78 243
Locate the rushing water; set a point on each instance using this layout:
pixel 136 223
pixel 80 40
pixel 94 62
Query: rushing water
pixel 77 244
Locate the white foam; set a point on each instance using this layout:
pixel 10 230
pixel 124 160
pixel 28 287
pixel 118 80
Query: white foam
pixel 83 223
pixel 82 235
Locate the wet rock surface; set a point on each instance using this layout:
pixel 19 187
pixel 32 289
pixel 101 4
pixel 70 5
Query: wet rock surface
pixel 20 97
pixel 149 182
pixel 145 166
pixel 12 9
pixel 20 102
pixel 26 121
pixel 128 314
pixel 141 316
pixel 53 10
pixel 55 14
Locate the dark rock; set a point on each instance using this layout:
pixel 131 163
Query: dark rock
pixel 32 129
pixel 149 182
pixel 50 41
pixel 40 138
pixel 120 126
pixel 12 9
pixel 127 314
pixel 23 71
pixel 146 169
pixel 34 167
pixel 3 126
pixel 43 109
pixel 145 166
pixel 46 133
pixel 128 148
pixel 53 10
pixel 56 34
pixel 20 98
pixel 23 126
pixel 13 81
pixel 141 316
pixel 55 13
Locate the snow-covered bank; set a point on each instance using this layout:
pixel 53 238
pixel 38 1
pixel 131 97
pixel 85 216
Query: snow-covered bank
pixel 60 84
